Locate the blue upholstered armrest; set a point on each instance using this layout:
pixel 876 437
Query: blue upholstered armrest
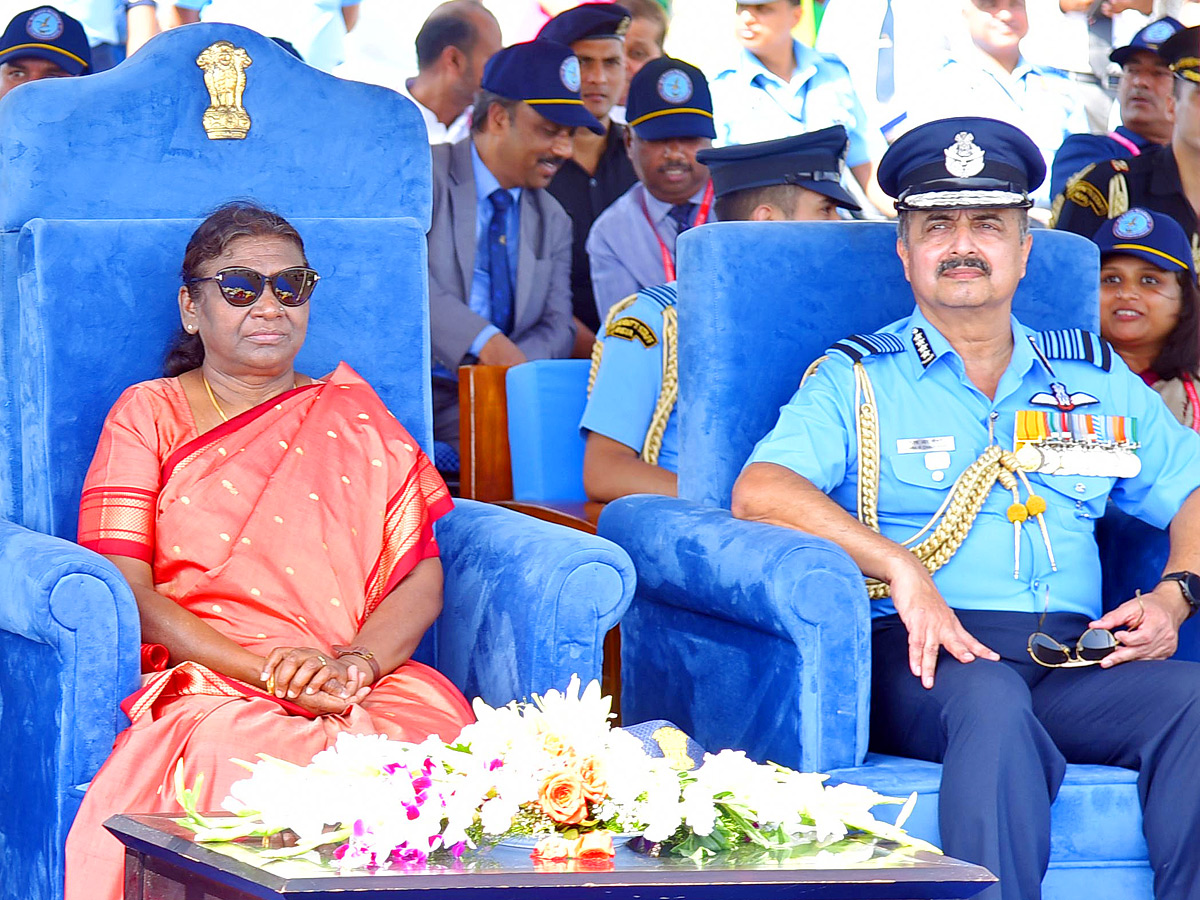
pixel 527 603
pixel 69 641
pixel 746 635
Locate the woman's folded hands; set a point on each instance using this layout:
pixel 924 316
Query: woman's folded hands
pixel 314 680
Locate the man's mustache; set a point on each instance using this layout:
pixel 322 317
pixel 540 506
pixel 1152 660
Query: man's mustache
pixel 964 262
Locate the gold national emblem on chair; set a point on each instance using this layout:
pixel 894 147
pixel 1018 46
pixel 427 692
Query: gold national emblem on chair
pixel 224 68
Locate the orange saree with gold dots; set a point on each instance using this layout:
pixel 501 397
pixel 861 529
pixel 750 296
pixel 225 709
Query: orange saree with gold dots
pixel 285 526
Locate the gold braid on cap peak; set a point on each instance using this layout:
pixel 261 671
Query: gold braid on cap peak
pixel 954 519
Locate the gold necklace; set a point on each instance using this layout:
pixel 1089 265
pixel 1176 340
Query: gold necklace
pixel 213 398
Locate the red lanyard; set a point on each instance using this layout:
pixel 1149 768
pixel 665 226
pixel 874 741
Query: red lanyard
pixel 1189 387
pixel 701 218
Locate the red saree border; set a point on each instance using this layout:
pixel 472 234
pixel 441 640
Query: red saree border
pixel 202 442
pixel 199 680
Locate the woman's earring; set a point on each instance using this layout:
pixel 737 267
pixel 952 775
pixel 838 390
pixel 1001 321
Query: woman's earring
pixel 190 329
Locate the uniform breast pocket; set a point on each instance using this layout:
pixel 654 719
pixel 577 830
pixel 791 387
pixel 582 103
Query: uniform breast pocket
pixel 1076 500
pixel 923 478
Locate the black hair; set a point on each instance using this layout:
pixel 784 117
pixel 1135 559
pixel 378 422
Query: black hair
pixel 1180 353
pixel 484 100
pixel 239 218
pixel 453 26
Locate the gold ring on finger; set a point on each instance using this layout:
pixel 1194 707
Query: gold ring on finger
pixel 323 660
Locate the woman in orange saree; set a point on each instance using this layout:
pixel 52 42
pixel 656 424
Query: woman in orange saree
pixel 293 545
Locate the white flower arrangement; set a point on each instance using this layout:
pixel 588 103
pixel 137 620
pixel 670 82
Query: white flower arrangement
pixel 552 770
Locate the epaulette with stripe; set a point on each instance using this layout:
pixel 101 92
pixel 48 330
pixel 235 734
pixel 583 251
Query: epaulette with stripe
pixel 664 295
pixel 1075 343
pixel 858 346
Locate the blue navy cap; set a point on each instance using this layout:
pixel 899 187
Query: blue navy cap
pixel 1182 53
pixel 46 33
pixel 1154 237
pixel 814 161
pixel 587 21
pixel 545 75
pixel 669 98
pixel 962 163
pixel 1149 39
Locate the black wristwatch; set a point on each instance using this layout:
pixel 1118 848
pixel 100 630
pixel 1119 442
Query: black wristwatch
pixel 1189 583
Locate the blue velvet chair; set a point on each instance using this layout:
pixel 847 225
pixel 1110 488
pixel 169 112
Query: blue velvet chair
pixel 758 637
pixel 102 180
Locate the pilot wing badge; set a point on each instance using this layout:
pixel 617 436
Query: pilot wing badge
pixel 1060 398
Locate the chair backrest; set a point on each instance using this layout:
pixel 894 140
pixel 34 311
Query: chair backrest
pixel 546 399
pixel 759 301
pixel 97 202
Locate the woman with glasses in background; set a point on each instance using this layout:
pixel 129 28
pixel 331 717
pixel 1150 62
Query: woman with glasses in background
pixel 1150 306
pixel 276 530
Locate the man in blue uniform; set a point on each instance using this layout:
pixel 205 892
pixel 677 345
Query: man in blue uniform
pixel 632 443
pixel 777 87
pixel 632 243
pixel 961 460
pixel 1144 95
pixel 42 43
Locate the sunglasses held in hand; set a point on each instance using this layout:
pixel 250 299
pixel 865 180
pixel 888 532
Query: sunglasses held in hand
pixel 242 286
pixel 1092 646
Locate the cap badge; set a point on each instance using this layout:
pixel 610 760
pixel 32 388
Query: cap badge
pixel 675 86
pixel 964 158
pixel 568 73
pixel 1133 224
pixel 45 24
pixel 1157 32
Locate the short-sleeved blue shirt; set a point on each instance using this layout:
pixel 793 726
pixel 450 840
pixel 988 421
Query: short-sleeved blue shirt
pixel 937 406
pixel 630 377
pixel 751 104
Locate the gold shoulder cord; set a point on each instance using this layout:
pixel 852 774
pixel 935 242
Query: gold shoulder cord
pixel 670 374
pixel 598 347
pixel 1118 196
pixel 670 387
pixel 953 520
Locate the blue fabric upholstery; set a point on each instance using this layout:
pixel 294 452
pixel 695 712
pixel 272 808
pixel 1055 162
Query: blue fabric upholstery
pixel 546 398
pixel 730 609
pixel 758 638
pixel 102 180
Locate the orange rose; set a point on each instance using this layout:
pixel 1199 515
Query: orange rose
pixel 593 776
pixel 561 797
pixel 554 744
pixel 553 846
pixel 595 845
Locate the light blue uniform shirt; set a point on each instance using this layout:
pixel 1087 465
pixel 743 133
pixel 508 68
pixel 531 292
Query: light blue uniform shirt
pixel 815 437
pixel 480 298
pixel 751 104
pixel 630 379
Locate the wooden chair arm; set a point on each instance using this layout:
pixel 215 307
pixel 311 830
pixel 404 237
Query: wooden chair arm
pixel 485 459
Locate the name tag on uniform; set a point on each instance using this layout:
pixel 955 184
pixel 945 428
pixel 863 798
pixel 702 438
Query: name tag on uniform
pixel 925 445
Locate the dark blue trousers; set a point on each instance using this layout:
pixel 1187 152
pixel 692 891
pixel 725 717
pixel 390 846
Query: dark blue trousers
pixel 1004 732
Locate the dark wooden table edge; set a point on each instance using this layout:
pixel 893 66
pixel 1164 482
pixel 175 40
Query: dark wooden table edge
pixel 140 836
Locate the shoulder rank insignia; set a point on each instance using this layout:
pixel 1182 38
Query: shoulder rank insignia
pixel 630 329
pixel 1119 165
pixel 663 295
pixel 1073 343
pixel 858 346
